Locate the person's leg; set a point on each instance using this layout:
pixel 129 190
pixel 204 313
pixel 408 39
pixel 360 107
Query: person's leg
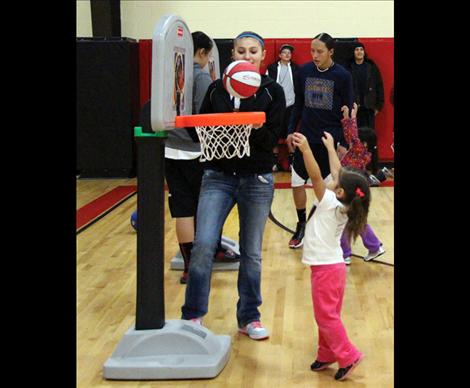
pixel 254 203
pixel 299 177
pixel 184 180
pixel 276 165
pixel 369 239
pixel 300 197
pixel 185 236
pixel 184 229
pixel 215 202
pixel 321 156
pixel 328 284
pixel 362 117
pixel 346 247
pixel 371 118
pixel 324 353
pixel 300 201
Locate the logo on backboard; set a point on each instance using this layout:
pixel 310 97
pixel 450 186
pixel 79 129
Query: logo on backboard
pixel 179 31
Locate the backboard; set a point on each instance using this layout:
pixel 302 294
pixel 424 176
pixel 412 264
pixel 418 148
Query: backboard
pixel 172 72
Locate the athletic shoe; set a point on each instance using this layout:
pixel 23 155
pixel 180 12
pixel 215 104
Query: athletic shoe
pixel 345 372
pixel 373 181
pixel 297 239
pixel 388 173
pixel 226 256
pixel 184 278
pixel 197 321
pixel 319 365
pixel 347 260
pixel 372 255
pixel 381 176
pixel 275 168
pixel 255 330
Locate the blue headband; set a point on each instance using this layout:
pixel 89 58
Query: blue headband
pixel 250 35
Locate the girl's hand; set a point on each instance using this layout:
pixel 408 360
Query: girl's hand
pixel 354 111
pixel 345 111
pixel 299 140
pixel 328 141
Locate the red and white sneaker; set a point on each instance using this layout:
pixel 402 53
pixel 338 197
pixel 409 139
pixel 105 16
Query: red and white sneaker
pixel 297 239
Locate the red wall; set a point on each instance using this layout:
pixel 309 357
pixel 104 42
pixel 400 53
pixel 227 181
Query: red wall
pixel 381 50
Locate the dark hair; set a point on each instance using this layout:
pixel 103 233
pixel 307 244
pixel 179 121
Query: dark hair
pixel 250 34
pixel 201 41
pixel 368 135
pixel 327 39
pixel 357 197
pixel 354 46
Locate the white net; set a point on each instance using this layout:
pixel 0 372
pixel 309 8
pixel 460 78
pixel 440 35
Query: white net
pixel 224 141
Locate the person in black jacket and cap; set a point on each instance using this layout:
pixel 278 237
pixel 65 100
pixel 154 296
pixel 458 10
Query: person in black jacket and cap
pixel 246 182
pixel 369 96
pixel 284 72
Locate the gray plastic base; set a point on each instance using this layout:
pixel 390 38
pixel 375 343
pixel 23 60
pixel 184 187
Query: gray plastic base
pixel 177 262
pixel 180 350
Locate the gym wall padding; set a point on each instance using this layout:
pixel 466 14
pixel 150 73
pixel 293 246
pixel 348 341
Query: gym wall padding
pixel 378 49
pixel 107 106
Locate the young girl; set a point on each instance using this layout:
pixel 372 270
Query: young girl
pixel 342 204
pixel 247 182
pixel 358 157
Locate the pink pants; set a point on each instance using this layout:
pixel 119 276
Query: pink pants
pixel 328 283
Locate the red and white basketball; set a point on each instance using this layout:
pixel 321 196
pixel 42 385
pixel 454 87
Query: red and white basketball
pixel 241 79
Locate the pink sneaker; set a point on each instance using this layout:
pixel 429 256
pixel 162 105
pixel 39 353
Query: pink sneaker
pixel 255 331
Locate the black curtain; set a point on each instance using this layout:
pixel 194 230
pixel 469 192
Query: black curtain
pixel 107 106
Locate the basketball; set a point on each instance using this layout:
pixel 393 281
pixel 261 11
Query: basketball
pixel 134 219
pixel 241 79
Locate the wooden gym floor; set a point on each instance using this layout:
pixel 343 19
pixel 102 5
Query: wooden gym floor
pixel 106 287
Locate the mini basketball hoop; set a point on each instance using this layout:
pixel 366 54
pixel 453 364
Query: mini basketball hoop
pixel 223 135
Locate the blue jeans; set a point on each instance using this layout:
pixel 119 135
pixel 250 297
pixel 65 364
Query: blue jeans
pixel 220 191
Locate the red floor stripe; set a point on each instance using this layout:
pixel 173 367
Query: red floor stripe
pixel 95 208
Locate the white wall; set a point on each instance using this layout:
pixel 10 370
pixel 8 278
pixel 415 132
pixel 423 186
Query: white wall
pixel 271 19
pixel 84 28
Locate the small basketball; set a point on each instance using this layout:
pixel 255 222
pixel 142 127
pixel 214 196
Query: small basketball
pixel 241 79
pixel 134 220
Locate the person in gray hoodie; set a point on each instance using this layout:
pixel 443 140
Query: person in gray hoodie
pixel 183 170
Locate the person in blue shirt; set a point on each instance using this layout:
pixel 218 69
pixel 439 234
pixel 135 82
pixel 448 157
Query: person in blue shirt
pixel 323 87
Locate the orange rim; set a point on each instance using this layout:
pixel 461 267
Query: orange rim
pixel 213 119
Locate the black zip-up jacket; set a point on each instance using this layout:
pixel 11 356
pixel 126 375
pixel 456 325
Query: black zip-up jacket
pixel 374 96
pixel 269 99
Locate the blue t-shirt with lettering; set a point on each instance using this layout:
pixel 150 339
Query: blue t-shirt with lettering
pixel 318 102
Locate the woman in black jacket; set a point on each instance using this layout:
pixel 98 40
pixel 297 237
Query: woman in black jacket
pixel 247 182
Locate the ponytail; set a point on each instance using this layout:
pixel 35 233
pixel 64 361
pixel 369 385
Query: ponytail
pixel 357 198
